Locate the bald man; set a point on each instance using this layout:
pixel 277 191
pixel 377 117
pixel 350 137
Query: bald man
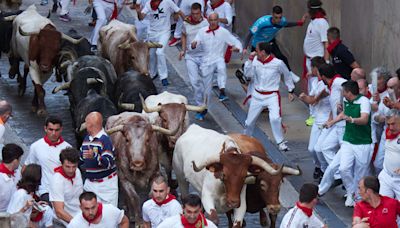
pixel 357 73
pixel 5 113
pixel 97 155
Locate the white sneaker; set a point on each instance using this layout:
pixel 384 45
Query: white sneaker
pixel 282 146
pixel 349 201
pixel 295 78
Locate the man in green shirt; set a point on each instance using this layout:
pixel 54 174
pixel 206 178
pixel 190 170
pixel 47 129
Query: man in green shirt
pixel 356 150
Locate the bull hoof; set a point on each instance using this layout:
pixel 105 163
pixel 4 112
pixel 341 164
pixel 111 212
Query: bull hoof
pixel 34 109
pixel 21 91
pixel 41 113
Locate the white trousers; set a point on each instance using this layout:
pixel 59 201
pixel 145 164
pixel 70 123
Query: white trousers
pixel 104 11
pixel 259 103
pixel 329 174
pixel 193 69
pixel 218 68
pixel 331 139
pixel 106 191
pixel 64 6
pixel 158 62
pixel 311 83
pixel 390 185
pixel 318 158
pixel 380 155
pixel 354 164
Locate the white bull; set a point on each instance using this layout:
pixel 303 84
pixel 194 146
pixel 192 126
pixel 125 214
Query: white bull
pixel 222 183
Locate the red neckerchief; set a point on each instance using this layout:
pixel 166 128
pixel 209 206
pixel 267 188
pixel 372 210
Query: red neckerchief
pixel 266 60
pixel 50 143
pixel 333 45
pixel 200 222
pixel 98 214
pixel 61 171
pixel 391 136
pixel 169 198
pixel 5 170
pixel 190 20
pixel 213 7
pixel 333 79
pixel 38 217
pixel 154 5
pixel 319 14
pixel 306 210
pixel 382 90
pixel 369 95
pixel 212 30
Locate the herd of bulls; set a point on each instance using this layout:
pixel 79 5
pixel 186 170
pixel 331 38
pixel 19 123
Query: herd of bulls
pixel 150 131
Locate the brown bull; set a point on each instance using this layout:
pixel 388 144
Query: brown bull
pixel 120 45
pixel 265 192
pixel 136 146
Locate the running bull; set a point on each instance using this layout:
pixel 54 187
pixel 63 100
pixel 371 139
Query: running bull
pixel 36 40
pixel 136 146
pixel 214 166
pixel 119 43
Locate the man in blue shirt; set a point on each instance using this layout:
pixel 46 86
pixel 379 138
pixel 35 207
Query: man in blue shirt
pixel 265 30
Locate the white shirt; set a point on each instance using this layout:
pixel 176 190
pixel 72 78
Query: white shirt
pixel 214 44
pixel 48 157
pixel 8 188
pixel 322 108
pixel 18 201
pixel 2 130
pixel 295 218
pixel 224 11
pixel 191 32
pixel 267 77
pixel 62 190
pixel 175 222
pixel 336 98
pixel 317 32
pixel 160 19
pixel 156 214
pixel 391 161
pixel 111 218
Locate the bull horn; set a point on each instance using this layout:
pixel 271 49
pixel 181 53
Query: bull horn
pixel 195 108
pixel 61 87
pixel 124 45
pixel 292 171
pixel 49 14
pixel 165 131
pixel 153 45
pixel 213 159
pixel 250 180
pixel 65 64
pixel 70 39
pixel 82 127
pixel 114 129
pixel 91 81
pixel 10 18
pixel 147 109
pixel 23 33
pixel 125 106
pixel 263 164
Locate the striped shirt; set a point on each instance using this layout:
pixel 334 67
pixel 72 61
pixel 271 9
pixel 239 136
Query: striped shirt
pixel 103 162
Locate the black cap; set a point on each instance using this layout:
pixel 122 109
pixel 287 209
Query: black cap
pixel 314 4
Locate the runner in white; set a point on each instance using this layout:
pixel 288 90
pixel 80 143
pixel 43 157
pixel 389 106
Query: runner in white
pixel 97 215
pixel 9 173
pixel 191 217
pixel 46 153
pixel 159 13
pixel 23 201
pixel 213 41
pixel 66 186
pixel 265 71
pixel 302 214
pixel 142 26
pixel 192 24
pixel 223 9
pixel 161 206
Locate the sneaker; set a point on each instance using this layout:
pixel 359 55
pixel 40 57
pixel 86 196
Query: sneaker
pixel 93 48
pixel 295 78
pixel 222 97
pixel 92 23
pixel 200 115
pixel 336 183
pixel 239 74
pixel 43 3
pixel 65 18
pixel 310 121
pixel 174 41
pixel 164 82
pixel 349 201
pixel 283 147
pixel 317 173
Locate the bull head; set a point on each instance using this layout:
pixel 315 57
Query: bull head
pixel 63 36
pixel 158 108
pixel 125 106
pixel 67 85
